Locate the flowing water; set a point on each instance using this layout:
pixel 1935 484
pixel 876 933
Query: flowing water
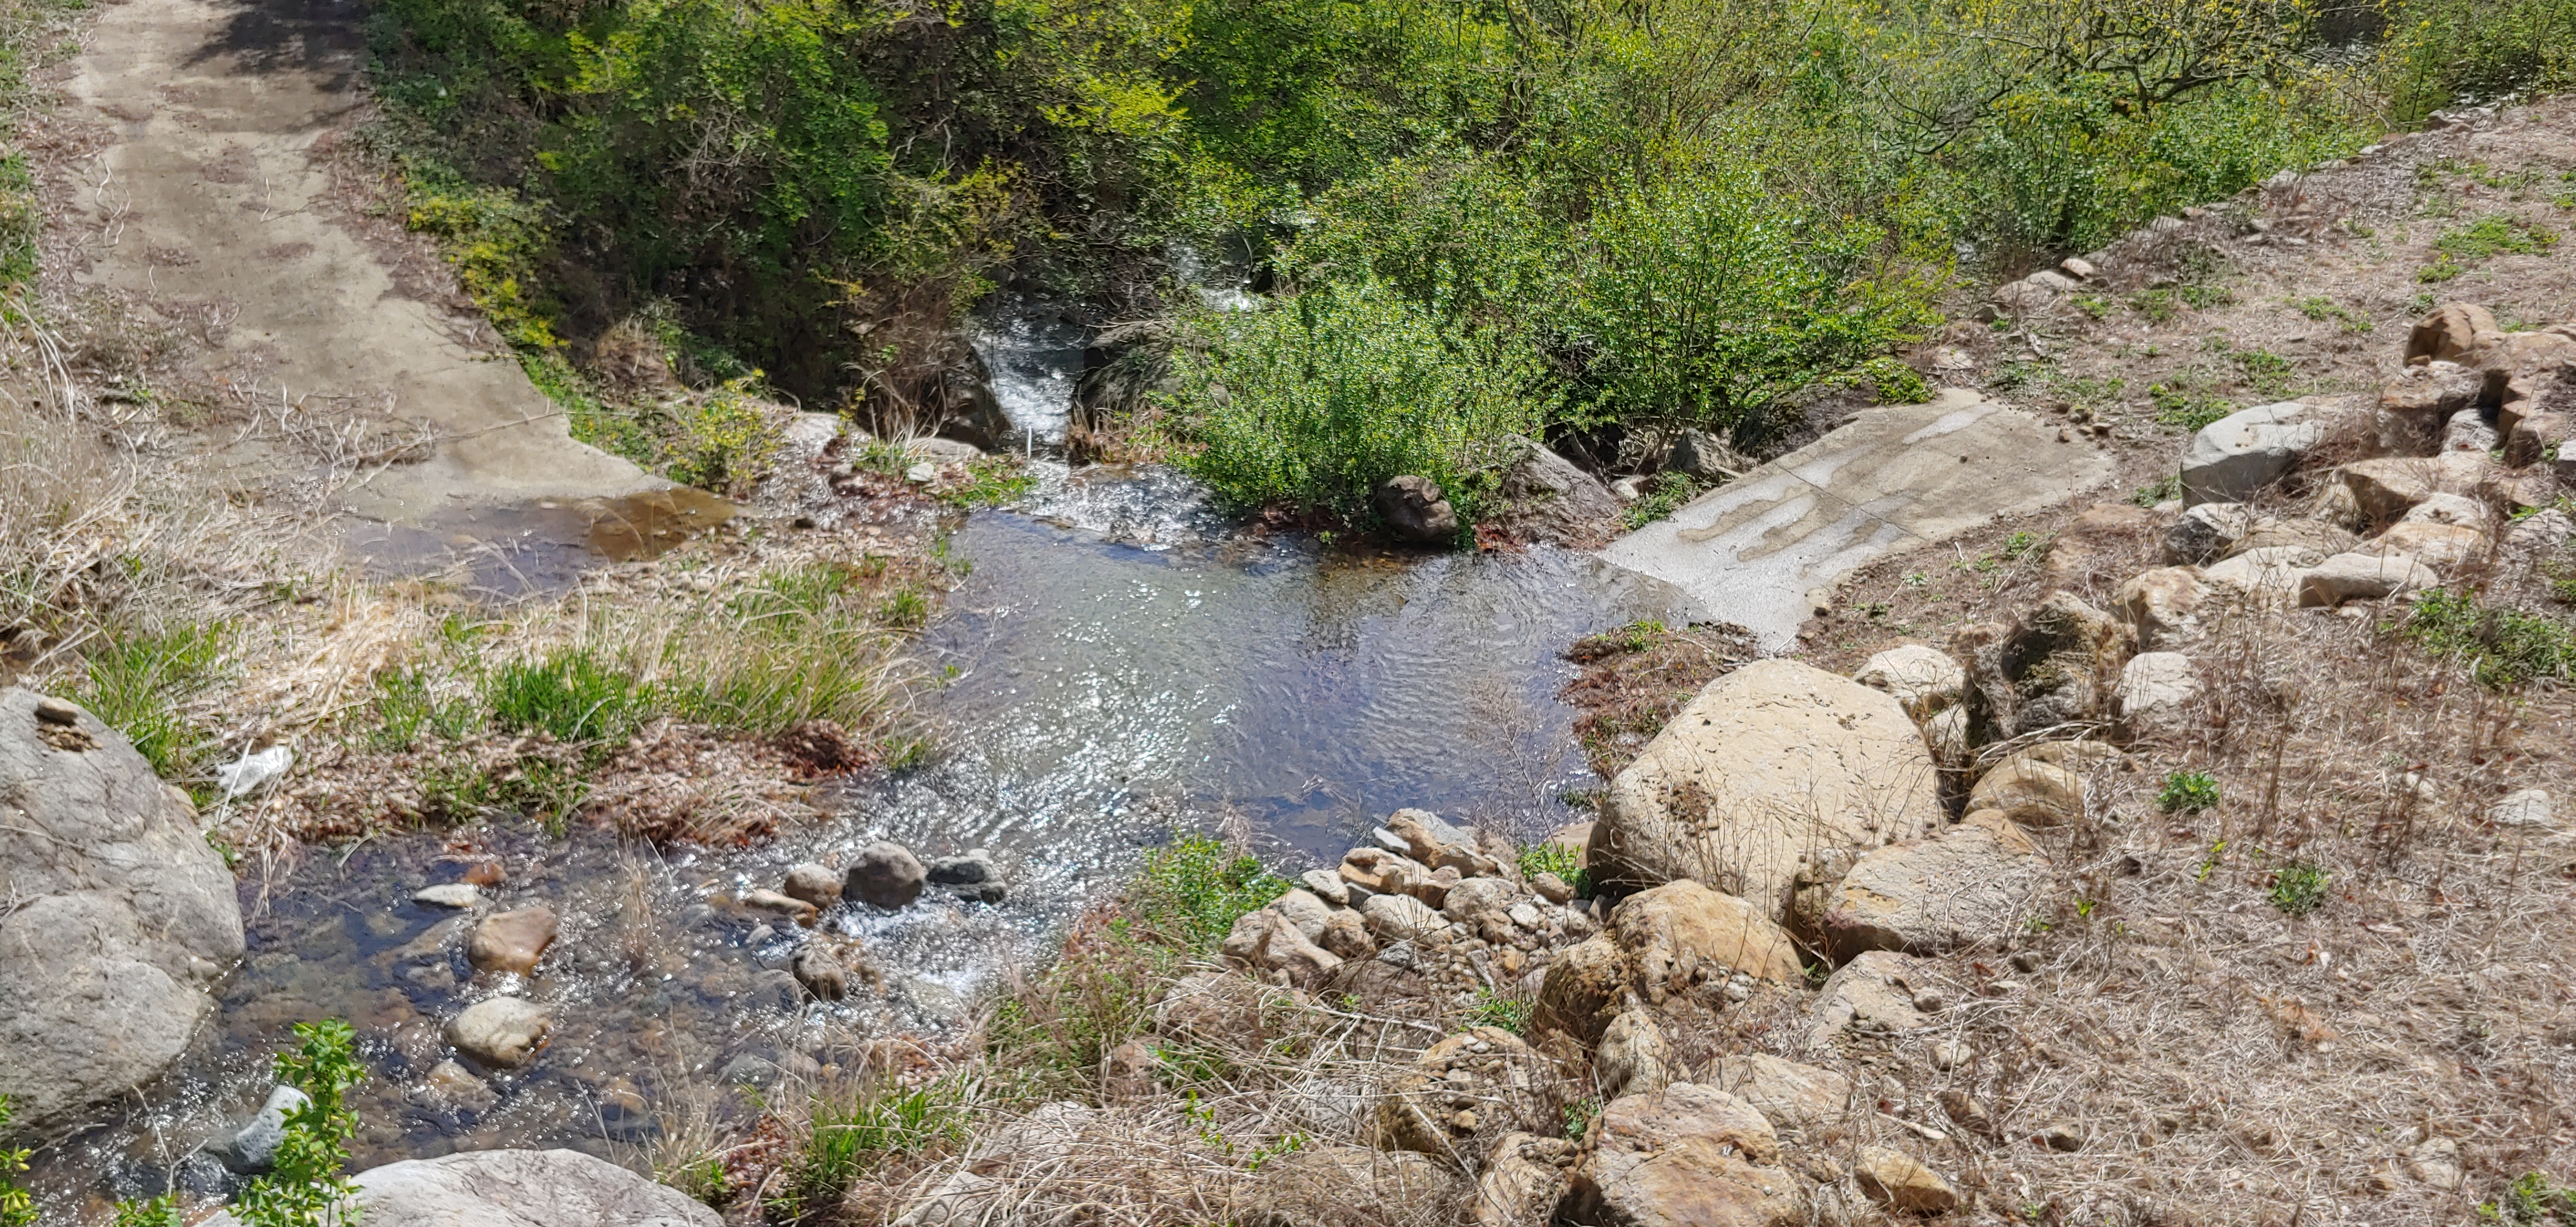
pixel 1121 663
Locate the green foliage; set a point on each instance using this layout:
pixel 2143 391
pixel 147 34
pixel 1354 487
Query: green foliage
pixel 990 482
pixel 162 1211
pixel 2299 888
pixel 17 1205
pixel 2180 404
pixel 305 1188
pixel 575 695
pixel 1313 401
pixel 407 713
pixel 2188 792
pixel 1556 858
pixel 2502 647
pixel 1191 893
pixel 2166 487
pixel 722 440
pixel 1578 1118
pixel 848 1138
pixel 1503 1012
pixel 2486 238
pixel 141 683
pixel 1665 493
pixel 2442 52
pixel 2319 307
pixel 2532 1200
pixel 2268 374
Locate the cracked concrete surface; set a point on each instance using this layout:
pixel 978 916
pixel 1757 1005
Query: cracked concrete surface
pixel 213 202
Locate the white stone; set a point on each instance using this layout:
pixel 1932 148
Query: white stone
pixel 2528 810
pixel 2348 577
pixel 454 894
pixel 2247 450
pixel 516 1188
pixel 2270 575
pixel 1924 680
pixel 2156 688
pixel 2457 509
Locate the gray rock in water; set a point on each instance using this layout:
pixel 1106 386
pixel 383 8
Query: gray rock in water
pixel 502 1032
pixel 813 884
pixel 121 916
pixel 1543 497
pixel 2247 450
pixel 252 1149
pixel 516 1188
pixel 2206 533
pixel 820 973
pixel 886 874
pixel 971 877
pixel 1414 509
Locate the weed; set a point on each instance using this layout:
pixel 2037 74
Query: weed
pixel 574 696
pixel 806 591
pixel 2177 404
pixel 2094 305
pixel 17 1205
pixel 2201 297
pixel 2269 375
pixel 2319 307
pixel 2530 1201
pixel 406 712
pixel 2501 647
pixel 2493 235
pixel 2021 543
pixel 140 683
pixel 1578 1118
pixel 2299 888
pixel 1556 858
pixel 305 1187
pixel 849 1138
pixel 2159 306
pixel 1503 1012
pixel 2188 792
pixel 2167 487
pixel 905 608
pixel 989 482
pixel 1665 494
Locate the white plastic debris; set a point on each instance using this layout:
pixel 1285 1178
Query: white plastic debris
pixel 248 772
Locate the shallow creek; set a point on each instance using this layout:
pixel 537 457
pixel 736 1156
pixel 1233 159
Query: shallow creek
pixel 1119 664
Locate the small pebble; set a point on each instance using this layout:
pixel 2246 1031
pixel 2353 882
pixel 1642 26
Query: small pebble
pixel 453 894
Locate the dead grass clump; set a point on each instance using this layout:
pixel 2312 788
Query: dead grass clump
pixel 1634 679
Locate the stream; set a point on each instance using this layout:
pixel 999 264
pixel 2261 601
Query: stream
pixel 1121 663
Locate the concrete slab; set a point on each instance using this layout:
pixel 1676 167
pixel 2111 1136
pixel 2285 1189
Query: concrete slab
pixel 1891 479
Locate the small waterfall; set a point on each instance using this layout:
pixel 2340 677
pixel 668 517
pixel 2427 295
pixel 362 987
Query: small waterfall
pixel 1032 353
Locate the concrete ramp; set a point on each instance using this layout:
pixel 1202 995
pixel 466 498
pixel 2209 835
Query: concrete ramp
pixel 1892 479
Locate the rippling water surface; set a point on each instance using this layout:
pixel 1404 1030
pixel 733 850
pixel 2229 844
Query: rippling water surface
pixel 1119 664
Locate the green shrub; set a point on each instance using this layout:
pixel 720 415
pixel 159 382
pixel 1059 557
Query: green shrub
pixel 305 1188
pixel 1503 1012
pixel 847 1138
pixel 2188 792
pixel 1664 494
pixel 2299 888
pixel 1191 893
pixel 1312 401
pixel 2532 1200
pixel 162 1211
pixel 2501 647
pixel 2484 239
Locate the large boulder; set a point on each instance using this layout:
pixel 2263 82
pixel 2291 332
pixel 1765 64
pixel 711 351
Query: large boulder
pixel 2162 607
pixel 1796 1099
pixel 1873 994
pixel 2418 404
pixel 1767 764
pixel 1661 942
pixel 2352 577
pixel 2156 692
pixel 1967 885
pixel 1413 509
pixel 121 917
pixel 2440 546
pixel 1925 680
pixel 1543 497
pixel 1687 1155
pixel 516 1188
pixel 2451 332
pixel 2248 450
pixel 2206 533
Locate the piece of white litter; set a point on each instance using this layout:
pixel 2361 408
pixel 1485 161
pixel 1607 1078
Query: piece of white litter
pixel 248 772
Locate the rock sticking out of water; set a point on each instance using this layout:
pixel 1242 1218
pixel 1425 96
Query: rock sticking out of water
pixel 252 1149
pixel 814 884
pixel 971 878
pixel 502 1032
pixel 885 875
pixel 454 894
pixel 512 942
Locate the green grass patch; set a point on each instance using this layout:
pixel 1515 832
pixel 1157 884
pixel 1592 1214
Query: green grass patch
pixel 2320 308
pixel 2494 235
pixel 1665 493
pixel 2188 792
pixel 849 1137
pixel 577 696
pixel 2532 1200
pixel 141 684
pixel 2299 888
pixel 1503 1012
pixel 2181 403
pixel 990 482
pixel 2501 647
pixel 1553 857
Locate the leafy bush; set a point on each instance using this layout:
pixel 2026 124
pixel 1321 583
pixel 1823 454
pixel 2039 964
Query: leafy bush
pixel 1503 1012
pixel 1311 402
pixel 162 1211
pixel 2533 1199
pixel 1553 857
pixel 846 1138
pixel 305 1187
pixel 2188 792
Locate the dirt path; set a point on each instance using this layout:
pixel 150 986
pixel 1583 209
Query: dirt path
pixel 212 210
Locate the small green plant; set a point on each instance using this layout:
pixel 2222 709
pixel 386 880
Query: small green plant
pixel 1195 890
pixel 2021 543
pixel 2180 404
pixel 407 713
pixel 1665 493
pixel 2533 1199
pixel 2201 296
pixel 1556 858
pixel 1578 1118
pixel 2159 306
pixel 162 1211
pixel 305 1187
pixel 17 1205
pixel 2188 792
pixel 2167 487
pixel 849 1138
pixel 2209 864
pixel 1503 1012
pixel 2299 888
pixel 574 696
pixel 2494 235
pixel 989 482
pixel 2501 647
pixel 2268 374
pixel 141 683
pixel 2320 307
pixel 904 609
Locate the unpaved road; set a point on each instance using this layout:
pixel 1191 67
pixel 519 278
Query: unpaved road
pixel 212 210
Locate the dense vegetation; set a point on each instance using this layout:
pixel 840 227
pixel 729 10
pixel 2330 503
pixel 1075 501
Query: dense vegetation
pixel 1470 219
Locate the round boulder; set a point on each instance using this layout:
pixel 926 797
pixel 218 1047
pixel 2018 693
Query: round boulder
pixel 886 875
pixel 514 1188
